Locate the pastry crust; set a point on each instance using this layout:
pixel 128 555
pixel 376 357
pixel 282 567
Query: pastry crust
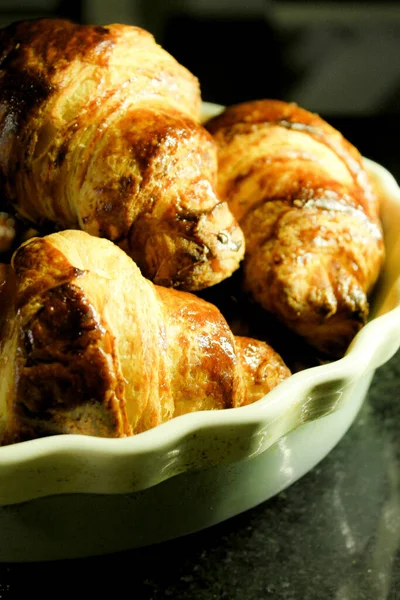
pixel 99 131
pixel 314 245
pixel 89 346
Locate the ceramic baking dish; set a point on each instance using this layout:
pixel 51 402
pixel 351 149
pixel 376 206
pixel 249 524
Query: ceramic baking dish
pixel 68 496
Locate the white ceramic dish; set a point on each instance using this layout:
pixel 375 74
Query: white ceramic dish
pixel 70 496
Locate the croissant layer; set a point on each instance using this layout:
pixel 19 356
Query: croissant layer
pixel 99 131
pixel 89 346
pixel 303 198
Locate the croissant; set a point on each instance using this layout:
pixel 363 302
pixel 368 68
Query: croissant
pixel 309 213
pixel 89 346
pixel 99 131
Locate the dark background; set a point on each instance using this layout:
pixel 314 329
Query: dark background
pixel 335 58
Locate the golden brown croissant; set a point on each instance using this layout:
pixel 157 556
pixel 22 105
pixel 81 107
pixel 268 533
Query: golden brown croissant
pixel 302 196
pixel 89 346
pixel 99 131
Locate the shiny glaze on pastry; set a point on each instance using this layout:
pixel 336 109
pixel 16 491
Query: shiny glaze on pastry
pixel 89 346
pixel 99 131
pixel 303 198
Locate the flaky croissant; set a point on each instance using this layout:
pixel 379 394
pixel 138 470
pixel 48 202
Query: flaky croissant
pixel 303 198
pixel 89 346
pixel 99 131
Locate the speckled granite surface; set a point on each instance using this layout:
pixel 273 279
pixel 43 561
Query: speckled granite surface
pixel 335 534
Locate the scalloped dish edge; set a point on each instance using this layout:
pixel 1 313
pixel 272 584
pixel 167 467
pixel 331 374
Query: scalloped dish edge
pixel 231 434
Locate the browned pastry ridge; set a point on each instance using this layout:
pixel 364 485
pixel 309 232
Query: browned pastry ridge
pixel 99 131
pixel 303 198
pixel 89 346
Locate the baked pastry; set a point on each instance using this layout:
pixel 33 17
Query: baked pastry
pixel 303 198
pixel 89 346
pixel 7 232
pixel 99 131
pixel 13 232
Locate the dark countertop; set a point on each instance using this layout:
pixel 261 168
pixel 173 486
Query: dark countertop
pixel 334 534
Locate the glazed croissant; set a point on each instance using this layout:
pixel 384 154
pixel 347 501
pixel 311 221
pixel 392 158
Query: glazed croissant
pixel 89 346
pixel 99 131
pixel 303 198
